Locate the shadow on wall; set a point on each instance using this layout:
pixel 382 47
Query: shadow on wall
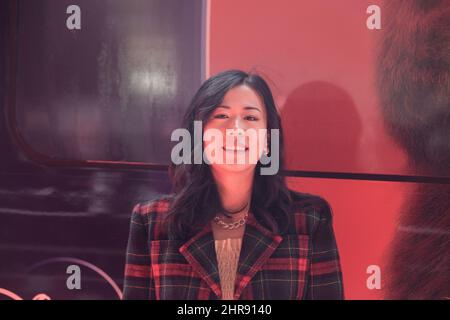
pixel 323 119
pixel 413 76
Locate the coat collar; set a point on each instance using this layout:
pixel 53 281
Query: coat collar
pixel 258 244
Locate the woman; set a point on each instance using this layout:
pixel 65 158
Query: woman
pixel 228 231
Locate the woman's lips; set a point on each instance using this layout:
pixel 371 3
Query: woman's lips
pixel 235 149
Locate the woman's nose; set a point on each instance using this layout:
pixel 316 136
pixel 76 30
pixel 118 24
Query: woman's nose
pixel 237 129
pixel 238 123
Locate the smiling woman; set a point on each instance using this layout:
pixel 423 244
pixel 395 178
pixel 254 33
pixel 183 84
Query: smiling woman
pixel 228 231
pixel 234 146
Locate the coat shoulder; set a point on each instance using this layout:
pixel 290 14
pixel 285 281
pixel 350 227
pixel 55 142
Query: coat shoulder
pixel 152 213
pixel 308 211
pixel 154 207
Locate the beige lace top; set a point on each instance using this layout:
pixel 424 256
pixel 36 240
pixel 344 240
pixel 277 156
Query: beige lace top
pixel 227 251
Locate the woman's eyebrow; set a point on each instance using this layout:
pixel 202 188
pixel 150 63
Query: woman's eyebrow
pixel 251 107
pixel 246 107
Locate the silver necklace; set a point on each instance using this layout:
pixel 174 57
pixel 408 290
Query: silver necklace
pixel 232 225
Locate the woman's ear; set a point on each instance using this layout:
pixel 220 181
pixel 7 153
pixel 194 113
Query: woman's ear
pixel 266 148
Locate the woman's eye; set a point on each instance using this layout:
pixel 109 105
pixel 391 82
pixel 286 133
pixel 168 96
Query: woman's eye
pixel 220 116
pixel 251 118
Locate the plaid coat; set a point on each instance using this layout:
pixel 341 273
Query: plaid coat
pixel 302 264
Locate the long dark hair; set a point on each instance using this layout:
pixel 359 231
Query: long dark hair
pixel 195 195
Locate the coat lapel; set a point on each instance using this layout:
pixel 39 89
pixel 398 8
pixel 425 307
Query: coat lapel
pixel 200 253
pixel 258 244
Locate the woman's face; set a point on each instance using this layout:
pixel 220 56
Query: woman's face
pixel 241 120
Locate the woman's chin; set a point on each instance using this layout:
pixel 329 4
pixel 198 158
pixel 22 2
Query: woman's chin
pixel 233 167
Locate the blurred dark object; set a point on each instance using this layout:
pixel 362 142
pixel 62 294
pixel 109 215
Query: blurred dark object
pixel 414 88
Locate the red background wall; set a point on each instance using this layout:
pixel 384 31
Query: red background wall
pixel 319 59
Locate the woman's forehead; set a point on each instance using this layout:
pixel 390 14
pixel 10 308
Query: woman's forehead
pixel 243 97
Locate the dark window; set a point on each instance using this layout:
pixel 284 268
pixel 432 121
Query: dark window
pixel 112 90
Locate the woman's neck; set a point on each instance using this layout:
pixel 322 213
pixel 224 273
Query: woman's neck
pixel 235 189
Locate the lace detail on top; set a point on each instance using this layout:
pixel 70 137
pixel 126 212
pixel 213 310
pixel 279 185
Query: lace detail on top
pixel 227 251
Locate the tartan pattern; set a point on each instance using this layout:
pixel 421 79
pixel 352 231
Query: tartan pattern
pixel 303 264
